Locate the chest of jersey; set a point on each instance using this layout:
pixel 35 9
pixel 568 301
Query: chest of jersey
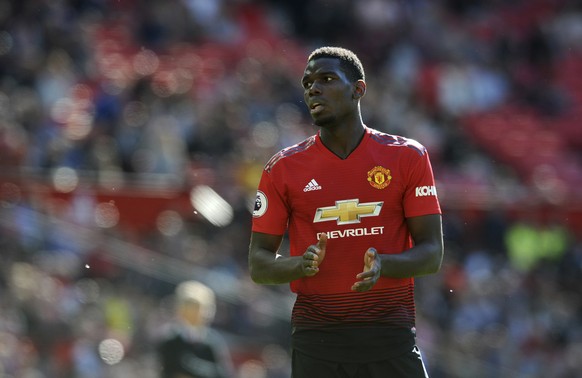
pixel 357 202
pixel 345 193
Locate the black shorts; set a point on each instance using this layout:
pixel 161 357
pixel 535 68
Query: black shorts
pixel 407 365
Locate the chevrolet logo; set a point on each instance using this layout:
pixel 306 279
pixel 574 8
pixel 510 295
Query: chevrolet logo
pixel 347 211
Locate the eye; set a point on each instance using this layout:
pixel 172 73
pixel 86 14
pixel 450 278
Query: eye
pixel 306 84
pixel 327 79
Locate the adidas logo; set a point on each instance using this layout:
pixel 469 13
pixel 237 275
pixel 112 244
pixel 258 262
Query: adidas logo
pixel 312 185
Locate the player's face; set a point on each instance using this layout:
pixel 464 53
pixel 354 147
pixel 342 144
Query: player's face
pixel 328 92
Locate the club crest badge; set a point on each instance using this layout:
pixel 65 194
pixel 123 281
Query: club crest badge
pixel 379 177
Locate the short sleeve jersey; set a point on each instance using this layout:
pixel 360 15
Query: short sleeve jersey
pixel 359 202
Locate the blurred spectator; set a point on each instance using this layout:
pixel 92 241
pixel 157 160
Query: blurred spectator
pixel 191 347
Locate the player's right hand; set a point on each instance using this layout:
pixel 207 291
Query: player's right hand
pixel 314 255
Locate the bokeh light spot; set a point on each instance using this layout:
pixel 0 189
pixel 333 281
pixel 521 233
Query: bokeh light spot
pixel 65 179
pixel 79 125
pixel 252 369
pixel 146 62
pixel 106 215
pixel 111 351
pixel 275 356
pixel 169 223
pixel 62 110
pixel 265 135
pixel 211 206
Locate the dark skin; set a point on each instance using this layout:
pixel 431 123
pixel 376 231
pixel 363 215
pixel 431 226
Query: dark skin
pixel 334 102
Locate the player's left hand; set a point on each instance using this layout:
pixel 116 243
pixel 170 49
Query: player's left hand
pixel 368 278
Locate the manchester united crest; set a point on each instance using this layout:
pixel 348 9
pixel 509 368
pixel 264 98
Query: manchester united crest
pixel 379 177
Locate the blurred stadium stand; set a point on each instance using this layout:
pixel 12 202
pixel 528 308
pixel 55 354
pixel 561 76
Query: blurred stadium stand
pixel 133 134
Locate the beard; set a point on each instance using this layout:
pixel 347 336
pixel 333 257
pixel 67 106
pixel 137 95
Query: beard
pixel 324 121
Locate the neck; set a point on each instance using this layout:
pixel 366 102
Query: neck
pixel 342 141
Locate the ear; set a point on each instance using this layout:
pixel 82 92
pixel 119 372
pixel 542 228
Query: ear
pixel 359 89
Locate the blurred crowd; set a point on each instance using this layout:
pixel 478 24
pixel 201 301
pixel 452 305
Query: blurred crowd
pixel 145 101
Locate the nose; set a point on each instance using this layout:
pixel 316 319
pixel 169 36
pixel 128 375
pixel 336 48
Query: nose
pixel 313 90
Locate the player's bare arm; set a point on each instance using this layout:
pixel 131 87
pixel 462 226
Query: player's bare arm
pixel 266 266
pixel 422 259
pixel 427 254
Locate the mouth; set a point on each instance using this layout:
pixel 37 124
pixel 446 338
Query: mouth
pixel 316 107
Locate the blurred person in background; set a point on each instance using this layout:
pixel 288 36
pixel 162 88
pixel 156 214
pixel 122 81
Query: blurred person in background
pixel 191 348
pixel 349 197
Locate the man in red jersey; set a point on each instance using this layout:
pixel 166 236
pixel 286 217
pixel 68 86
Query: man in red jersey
pixel 363 219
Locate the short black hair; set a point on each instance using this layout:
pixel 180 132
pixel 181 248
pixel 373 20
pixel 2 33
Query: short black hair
pixel 349 61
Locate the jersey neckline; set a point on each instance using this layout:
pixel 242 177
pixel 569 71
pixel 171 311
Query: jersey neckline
pixel 329 154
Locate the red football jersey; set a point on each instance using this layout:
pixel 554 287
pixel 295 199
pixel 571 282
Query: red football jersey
pixel 359 202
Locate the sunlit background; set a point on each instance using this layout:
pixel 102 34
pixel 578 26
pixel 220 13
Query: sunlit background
pixel 133 134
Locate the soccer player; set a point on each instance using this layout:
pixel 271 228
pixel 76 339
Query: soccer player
pixel 363 219
pixel 190 348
